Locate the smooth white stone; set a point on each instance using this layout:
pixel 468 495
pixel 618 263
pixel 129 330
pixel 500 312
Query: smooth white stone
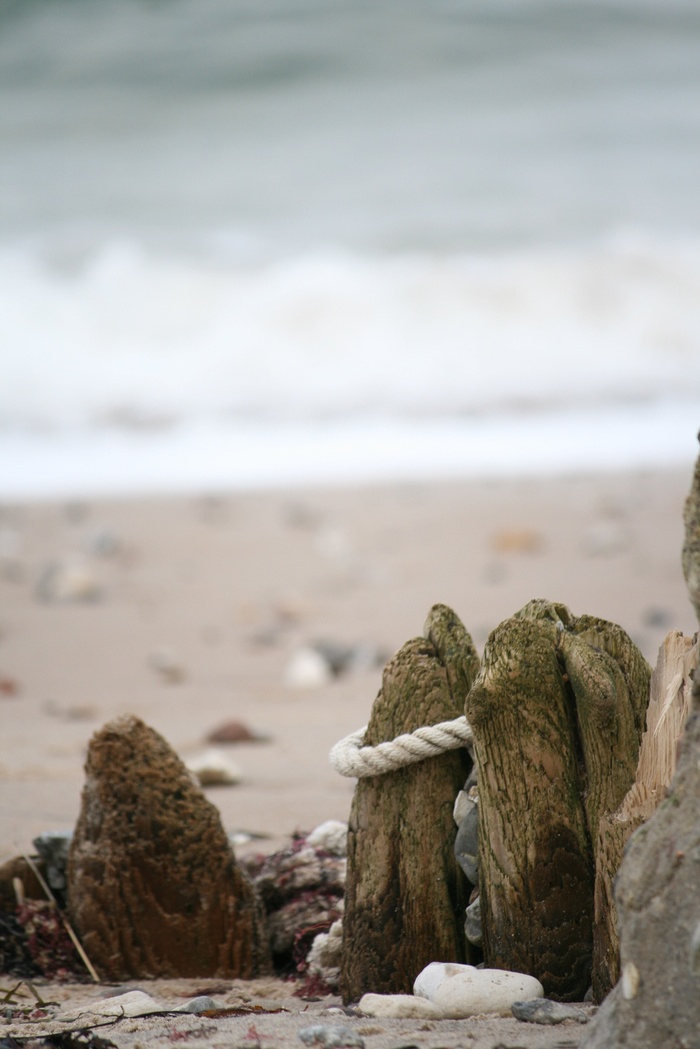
pixel 461 807
pixel 399 1006
pixel 462 990
pixel 308 669
pixel 214 769
pixel 133 1003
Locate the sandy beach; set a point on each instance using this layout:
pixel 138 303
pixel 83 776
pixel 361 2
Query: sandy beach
pixel 189 612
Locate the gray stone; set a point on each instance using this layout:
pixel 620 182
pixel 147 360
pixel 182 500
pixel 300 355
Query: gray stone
pixel 656 1002
pixel 467 842
pixel 545 1011
pixel 330 1037
pixel 201 1004
pixel 472 925
pixel 53 848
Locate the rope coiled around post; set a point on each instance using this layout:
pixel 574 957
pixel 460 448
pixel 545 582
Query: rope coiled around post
pixel 350 757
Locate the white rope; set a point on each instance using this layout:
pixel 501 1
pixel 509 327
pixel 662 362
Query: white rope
pixel 350 758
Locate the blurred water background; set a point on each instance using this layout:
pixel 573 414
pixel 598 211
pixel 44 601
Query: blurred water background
pixel 259 242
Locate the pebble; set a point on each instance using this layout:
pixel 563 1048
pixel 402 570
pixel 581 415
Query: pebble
pixel 132 1003
pixel 234 732
pixel 473 929
pixel 346 659
pixel 398 1006
pixel 69 581
pixel 330 1037
pixel 545 1011
pixel 166 663
pixel 462 990
pixel 331 836
pixel 214 769
pixel 467 842
pixel 308 669
pixel 53 848
pixel 201 1004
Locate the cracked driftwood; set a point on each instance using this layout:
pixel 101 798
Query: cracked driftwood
pixel 405 894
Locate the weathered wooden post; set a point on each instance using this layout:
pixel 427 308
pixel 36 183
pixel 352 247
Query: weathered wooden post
pixel 557 715
pixel 405 894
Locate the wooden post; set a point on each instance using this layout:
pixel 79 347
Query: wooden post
pixel 536 869
pixel 557 716
pixel 405 893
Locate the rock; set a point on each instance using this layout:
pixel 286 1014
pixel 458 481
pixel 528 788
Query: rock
pixel 545 1011
pixel 330 1037
pixel 234 732
pixel 71 580
pixel 201 1004
pixel 53 848
pixel 517 541
pixel 461 990
pixel 462 804
pixel 153 886
pixel 398 1006
pixel 215 769
pixel 131 1003
pixel 472 924
pixel 348 659
pixel 656 1001
pixel 168 665
pixel 331 837
pixel 467 841
pixel 308 669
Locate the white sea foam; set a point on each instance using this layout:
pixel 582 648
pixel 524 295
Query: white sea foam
pixel 128 369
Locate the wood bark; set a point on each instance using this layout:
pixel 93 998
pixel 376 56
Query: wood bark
pixel 405 893
pixel 535 862
pixel 557 715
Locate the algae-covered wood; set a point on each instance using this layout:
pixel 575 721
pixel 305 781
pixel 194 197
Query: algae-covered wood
pixel 405 893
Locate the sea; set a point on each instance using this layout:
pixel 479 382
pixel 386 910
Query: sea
pixel 264 243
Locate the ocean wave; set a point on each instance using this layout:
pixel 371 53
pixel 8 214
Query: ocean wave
pixel 122 334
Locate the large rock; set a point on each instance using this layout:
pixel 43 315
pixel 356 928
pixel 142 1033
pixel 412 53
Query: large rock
pixel 153 886
pixel 656 1002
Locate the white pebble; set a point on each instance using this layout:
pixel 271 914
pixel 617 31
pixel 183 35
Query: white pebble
pixel 398 1006
pixel 214 769
pixel 462 990
pixel 133 1003
pixel 308 669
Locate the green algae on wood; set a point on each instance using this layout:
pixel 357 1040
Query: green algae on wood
pixel 405 893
